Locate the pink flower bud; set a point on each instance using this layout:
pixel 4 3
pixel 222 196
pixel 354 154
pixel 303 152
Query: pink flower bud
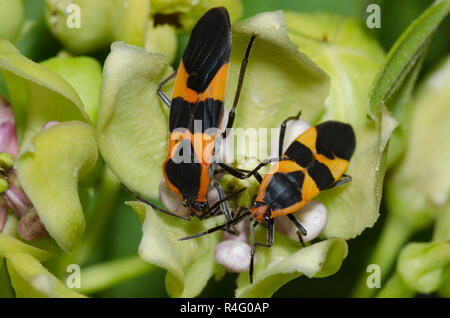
pixel 30 227
pixel 3 215
pixel 234 255
pixel 17 201
pixel 313 217
pixel 6 113
pixel 8 136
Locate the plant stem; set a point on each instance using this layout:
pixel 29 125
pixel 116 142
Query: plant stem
pixel 104 205
pixel 395 233
pixel 99 277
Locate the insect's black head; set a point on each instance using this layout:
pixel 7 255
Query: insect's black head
pixel 199 206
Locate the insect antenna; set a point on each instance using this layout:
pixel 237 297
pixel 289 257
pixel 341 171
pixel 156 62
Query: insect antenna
pixel 219 227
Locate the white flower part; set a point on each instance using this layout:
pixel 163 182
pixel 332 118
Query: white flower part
pixel 294 128
pixel 234 255
pixel 313 217
pixel 213 196
pixel 224 150
pixel 171 201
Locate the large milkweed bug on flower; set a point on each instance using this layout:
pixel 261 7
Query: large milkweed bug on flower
pixel 198 95
pixel 315 161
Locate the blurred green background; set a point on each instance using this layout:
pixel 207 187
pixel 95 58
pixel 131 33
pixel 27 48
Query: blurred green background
pixel 123 231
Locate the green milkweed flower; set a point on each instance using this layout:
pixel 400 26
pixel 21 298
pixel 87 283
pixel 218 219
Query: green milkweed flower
pixel 132 125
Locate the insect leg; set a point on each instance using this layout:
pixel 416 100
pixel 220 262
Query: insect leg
pixel 270 237
pixel 343 180
pixel 239 87
pixel 159 91
pixel 137 197
pixel 283 132
pixel 212 210
pixel 236 173
pixel 216 228
pixel 301 230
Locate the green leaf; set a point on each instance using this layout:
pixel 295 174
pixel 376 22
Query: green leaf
pixel 11 18
pixel 351 57
pixel 31 280
pixel 84 74
pixel 189 264
pixel 132 122
pixel 37 94
pixel 49 170
pixel 404 54
pixel 286 260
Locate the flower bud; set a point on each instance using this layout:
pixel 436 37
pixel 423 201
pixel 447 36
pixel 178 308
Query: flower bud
pixel 17 201
pixel 313 217
pixel 3 215
pixel 6 160
pixel 234 255
pixel 30 226
pixel 8 136
pixel 162 39
pixel 11 18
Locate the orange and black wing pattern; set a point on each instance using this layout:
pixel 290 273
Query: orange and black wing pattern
pixel 198 97
pixel 313 162
pixel 202 75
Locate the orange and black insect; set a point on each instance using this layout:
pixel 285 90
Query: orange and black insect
pixel 315 161
pixel 198 97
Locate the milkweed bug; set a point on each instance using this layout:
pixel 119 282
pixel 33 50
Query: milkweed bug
pixel 315 161
pixel 198 95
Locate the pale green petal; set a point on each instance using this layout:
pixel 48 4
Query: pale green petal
pixel 31 280
pixel 287 260
pixel 132 123
pixel 49 170
pixel 9 244
pixel 11 18
pixel 84 74
pixel 422 265
pixel 416 194
pixel 279 80
pixel 189 264
pixel 37 94
pixel 344 49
